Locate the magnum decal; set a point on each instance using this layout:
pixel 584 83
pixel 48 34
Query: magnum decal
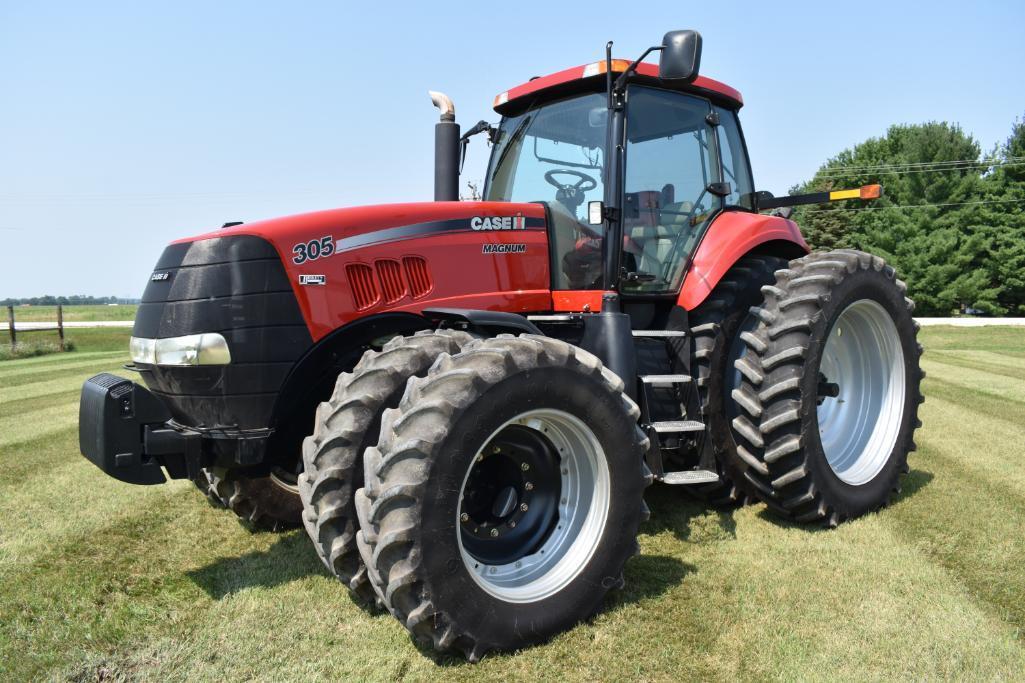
pixel 503 248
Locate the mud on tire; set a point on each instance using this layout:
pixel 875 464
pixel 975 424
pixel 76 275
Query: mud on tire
pixel 345 426
pixel 827 420
pixel 415 528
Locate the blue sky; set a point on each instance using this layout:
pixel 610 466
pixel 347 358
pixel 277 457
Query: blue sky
pixel 126 125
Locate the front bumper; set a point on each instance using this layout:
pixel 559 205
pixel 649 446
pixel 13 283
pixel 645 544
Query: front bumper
pixel 128 433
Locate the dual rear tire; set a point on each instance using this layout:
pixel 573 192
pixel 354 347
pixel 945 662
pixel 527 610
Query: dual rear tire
pixel 828 388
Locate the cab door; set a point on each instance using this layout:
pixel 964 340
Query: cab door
pixel 672 186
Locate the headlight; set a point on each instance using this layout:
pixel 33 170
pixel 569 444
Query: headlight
pixel 208 348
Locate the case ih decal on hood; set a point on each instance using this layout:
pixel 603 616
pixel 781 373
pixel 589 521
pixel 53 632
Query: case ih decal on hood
pixel 517 222
pixel 476 224
pixel 325 246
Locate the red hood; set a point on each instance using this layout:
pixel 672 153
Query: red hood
pixel 357 220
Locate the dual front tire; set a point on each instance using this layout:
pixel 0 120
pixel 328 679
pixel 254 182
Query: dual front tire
pixel 501 500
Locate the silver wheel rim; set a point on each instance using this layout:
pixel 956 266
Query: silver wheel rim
pixel 582 513
pixel 858 428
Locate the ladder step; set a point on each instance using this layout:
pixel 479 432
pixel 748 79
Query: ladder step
pixel 672 426
pixel 665 379
pixel 690 477
pixel 557 318
pixel 659 333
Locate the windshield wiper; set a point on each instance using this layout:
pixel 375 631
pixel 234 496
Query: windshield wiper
pixel 516 134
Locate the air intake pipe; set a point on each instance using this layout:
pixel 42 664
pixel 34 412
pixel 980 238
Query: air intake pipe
pixel 446 150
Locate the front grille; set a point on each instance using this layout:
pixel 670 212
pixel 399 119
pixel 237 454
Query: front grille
pixel 235 286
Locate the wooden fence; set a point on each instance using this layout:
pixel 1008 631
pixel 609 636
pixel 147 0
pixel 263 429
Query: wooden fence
pixel 14 333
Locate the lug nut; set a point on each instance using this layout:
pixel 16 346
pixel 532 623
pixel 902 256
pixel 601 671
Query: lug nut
pixel 512 523
pixel 565 471
pixel 524 466
pixel 494 532
pixel 464 517
pixel 480 456
pixel 563 501
pixel 528 486
pixel 496 449
pixel 523 507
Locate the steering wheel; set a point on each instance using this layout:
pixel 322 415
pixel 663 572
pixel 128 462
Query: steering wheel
pixel 585 183
pixel 570 195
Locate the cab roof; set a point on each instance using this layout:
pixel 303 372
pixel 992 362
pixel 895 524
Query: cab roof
pixel 588 77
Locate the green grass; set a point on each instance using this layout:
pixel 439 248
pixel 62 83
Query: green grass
pixel 90 314
pixel 102 580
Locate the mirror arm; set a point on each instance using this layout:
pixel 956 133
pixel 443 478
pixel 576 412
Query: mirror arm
pixel 621 81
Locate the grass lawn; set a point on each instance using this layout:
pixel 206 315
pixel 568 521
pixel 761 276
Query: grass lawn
pixel 27 314
pixel 101 580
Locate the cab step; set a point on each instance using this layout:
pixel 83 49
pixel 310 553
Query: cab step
pixel 659 333
pixel 677 426
pixel 665 379
pixel 690 477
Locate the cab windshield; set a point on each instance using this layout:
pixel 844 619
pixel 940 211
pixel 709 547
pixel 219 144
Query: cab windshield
pixel 555 154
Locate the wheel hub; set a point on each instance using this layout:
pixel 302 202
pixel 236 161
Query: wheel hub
pixel 510 501
pixel 860 392
pixel 533 505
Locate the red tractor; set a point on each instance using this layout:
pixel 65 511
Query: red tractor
pixel 464 401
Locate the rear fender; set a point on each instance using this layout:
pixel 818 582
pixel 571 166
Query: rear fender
pixel 733 235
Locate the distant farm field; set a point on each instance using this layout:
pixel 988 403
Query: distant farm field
pixel 104 581
pixel 90 314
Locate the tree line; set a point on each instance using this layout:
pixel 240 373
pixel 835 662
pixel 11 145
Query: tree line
pixel 951 221
pixel 73 300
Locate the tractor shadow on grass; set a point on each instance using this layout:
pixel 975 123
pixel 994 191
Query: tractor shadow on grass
pixel 690 520
pixel 290 558
pixel 646 575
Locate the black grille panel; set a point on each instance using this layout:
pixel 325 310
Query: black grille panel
pixel 236 286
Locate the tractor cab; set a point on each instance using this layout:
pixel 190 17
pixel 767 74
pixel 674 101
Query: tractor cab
pixel 632 168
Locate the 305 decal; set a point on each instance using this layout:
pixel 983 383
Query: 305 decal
pixel 313 250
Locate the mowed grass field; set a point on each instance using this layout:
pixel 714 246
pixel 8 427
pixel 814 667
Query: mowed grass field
pixel 90 314
pixel 105 581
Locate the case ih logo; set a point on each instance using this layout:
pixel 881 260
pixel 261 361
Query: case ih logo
pixel 517 222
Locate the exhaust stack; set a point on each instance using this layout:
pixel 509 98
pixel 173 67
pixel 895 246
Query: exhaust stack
pixel 446 150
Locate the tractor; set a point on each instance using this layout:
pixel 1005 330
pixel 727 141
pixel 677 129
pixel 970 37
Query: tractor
pixel 463 402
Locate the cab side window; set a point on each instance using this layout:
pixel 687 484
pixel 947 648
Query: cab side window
pixel 735 167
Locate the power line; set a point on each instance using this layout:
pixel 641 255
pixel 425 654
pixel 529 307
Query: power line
pixel 912 164
pixel 923 206
pixel 950 169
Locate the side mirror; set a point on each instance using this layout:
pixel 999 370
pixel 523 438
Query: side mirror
pixel 681 56
pixel 719 189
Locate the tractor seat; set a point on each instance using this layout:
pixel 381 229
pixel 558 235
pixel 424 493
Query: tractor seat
pixel 655 242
